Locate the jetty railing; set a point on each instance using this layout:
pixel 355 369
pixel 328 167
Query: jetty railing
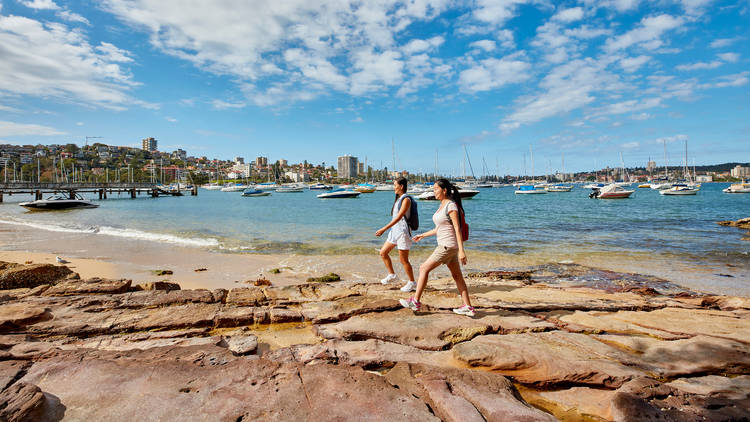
pixel 102 188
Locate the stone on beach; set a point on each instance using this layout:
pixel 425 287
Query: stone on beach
pixel 13 276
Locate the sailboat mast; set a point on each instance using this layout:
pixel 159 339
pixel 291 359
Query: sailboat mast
pixel 393 151
pixel 532 162
pixel 666 163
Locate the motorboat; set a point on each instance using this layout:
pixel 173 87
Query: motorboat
pixel 365 188
pixel 267 186
pixel 212 186
pixel 255 192
pixel 679 189
pixel 611 191
pixel 644 186
pixel 529 190
pixel 559 188
pixel 661 186
pixel 320 186
pixel 384 187
pixel 339 193
pixel 743 187
pixel 234 188
pixel 464 193
pixel 289 189
pixel 594 186
pixel 58 202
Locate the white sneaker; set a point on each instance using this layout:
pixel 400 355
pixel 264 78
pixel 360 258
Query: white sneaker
pixel 388 279
pixel 409 287
pixel 465 310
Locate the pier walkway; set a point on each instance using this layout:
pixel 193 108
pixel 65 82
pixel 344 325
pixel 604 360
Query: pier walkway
pixel 102 188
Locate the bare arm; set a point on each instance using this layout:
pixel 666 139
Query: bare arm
pixel 419 237
pixel 459 238
pixel 405 205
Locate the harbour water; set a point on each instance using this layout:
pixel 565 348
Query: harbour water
pixel 673 237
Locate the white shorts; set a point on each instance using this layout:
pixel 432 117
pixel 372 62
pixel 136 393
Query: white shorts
pixel 401 239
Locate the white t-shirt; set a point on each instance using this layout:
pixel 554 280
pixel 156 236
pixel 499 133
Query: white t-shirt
pixel 400 228
pixel 446 236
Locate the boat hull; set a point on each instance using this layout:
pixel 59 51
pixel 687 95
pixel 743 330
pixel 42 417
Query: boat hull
pixel 616 195
pixel 45 205
pixel 338 195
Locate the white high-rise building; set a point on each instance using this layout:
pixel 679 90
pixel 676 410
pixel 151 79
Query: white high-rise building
pixel 348 166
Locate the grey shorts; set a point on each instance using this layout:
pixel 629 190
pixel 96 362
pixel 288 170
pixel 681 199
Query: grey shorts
pixel 444 255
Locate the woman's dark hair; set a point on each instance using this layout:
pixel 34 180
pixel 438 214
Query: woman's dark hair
pixel 404 182
pixel 453 194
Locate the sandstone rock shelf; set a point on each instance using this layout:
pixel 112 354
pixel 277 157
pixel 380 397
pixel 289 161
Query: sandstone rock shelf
pixel 539 349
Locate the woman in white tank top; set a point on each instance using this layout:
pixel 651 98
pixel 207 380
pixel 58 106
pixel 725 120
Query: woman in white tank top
pixel 399 236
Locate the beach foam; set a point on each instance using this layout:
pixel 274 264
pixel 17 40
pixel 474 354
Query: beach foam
pixel 118 232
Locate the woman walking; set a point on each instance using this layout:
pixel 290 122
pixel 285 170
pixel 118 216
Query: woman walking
pixel 399 236
pixel 450 246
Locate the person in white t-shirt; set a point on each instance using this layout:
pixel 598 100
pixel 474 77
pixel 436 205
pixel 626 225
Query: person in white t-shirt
pixel 399 236
pixel 450 246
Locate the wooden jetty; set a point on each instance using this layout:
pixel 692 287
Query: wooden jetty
pixel 133 189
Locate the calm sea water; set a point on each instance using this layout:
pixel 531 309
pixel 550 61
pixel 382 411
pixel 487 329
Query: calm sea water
pixel 557 225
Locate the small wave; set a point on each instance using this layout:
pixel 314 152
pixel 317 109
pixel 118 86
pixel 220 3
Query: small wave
pixel 126 233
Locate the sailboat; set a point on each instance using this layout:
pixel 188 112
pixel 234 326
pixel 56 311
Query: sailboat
pixel 688 188
pixel 560 187
pixel 526 188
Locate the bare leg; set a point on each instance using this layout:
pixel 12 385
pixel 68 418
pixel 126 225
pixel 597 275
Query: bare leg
pixel 403 256
pixel 458 277
pixel 384 251
pixel 424 271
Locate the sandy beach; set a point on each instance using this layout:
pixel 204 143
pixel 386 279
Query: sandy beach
pixel 137 260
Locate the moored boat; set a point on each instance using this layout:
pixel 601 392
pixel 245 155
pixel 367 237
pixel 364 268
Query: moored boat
pixel 365 188
pixel 320 186
pixel 58 202
pixel 611 191
pixel 529 190
pixel 559 188
pixel 743 187
pixel 464 193
pixel 255 192
pixel 339 193
pixel 679 189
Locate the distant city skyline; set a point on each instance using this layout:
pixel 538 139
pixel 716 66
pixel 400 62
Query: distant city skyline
pixel 314 81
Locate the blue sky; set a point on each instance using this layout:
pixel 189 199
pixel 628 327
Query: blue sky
pixel 299 80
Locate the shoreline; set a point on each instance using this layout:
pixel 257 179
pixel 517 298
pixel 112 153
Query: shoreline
pixel 117 258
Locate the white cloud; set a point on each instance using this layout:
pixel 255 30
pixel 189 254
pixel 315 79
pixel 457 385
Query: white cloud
pixel 419 45
pixel 72 17
pixel 50 60
pixel 506 39
pixel 619 5
pixel 641 116
pixel 496 12
pixel 9 109
pixel 647 34
pixel 631 145
pixel 40 4
pixel 566 88
pixel 24 129
pixel 700 65
pixel 738 79
pixel 670 139
pixel 493 73
pixel 358 119
pixel 694 7
pixel 627 106
pixel 171 119
pixel 295 47
pixel 729 57
pixel 569 15
pixel 79 123
pixel 223 105
pixel 113 54
pixel 723 42
pixel 631 64
pixel 485 45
